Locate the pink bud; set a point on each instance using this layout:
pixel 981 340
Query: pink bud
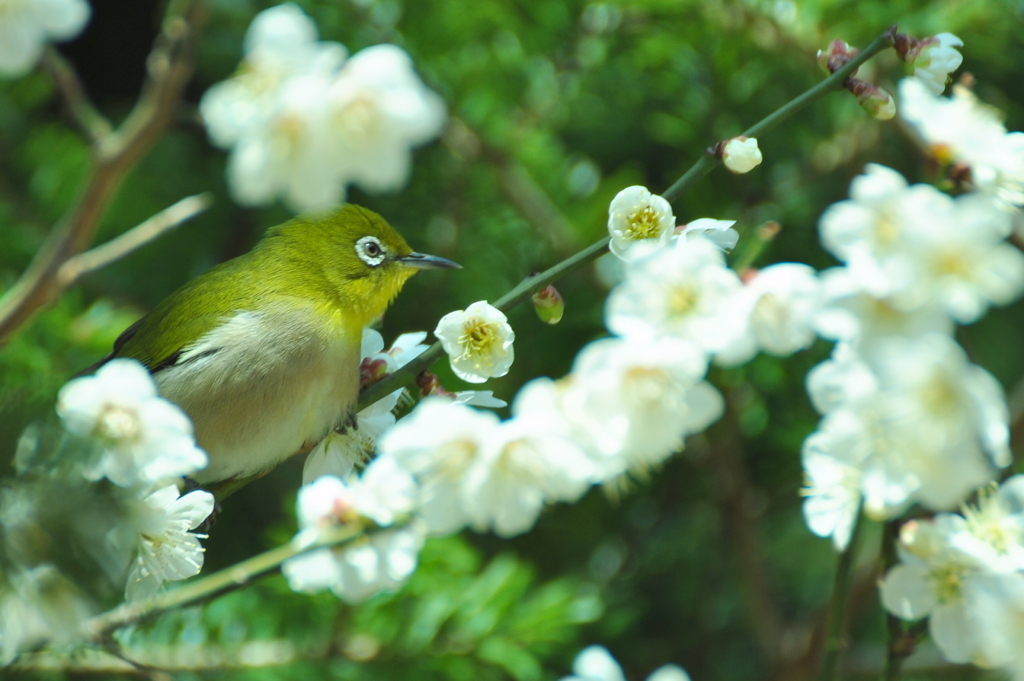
pixel 430 385
pixel 372 370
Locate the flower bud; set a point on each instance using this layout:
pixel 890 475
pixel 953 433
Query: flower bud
pixel 372 370
pixel 741 155
pixel 931 59
pixel 873 99
pixel 430 385
pixel 549 305
pixel 836 56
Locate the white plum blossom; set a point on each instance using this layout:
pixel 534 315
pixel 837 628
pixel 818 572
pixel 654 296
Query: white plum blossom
pixel 143 437
pixel 167 550
pixel 379 109
pixel 963 130
pixel 935 580
pixel 281 43
pixel 473 470
pixel 964 262
pixel 780 304
pixel 384 494
pixel 833 483
pixel 853 315
pixel 933 59
pixel 40 605
pixel 682 291
pixel 872 232
pixel 741 155
pixel 302 122
pixel 997 624
pixel 528 461
pixel 915 246
pixel 595 663
pixel 478 341
pixel 919 422
pixel 439 443
pixel 964 572
pixel 633 400
pixel 718 232
pixel 639 221
pixel 27 25
pixel 381 561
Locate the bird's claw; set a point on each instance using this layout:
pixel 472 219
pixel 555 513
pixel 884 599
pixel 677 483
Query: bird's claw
pixel 350 422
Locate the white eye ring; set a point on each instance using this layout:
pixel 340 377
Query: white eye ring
pixel 371 251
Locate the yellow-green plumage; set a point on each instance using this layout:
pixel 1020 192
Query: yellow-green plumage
pixel 262 351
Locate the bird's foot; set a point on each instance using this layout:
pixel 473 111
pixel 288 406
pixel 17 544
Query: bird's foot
pixel 350 422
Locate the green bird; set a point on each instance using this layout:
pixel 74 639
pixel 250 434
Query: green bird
pixel 262 351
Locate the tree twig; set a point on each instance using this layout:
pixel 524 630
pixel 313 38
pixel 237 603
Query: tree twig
pixel 835 627
pixel 704 165
pixel 80 107
pixel 740 526
pixel 219 582
pixel 97 258
pixel 169 68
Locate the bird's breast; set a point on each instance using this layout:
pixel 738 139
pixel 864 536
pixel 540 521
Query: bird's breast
pixel 262 384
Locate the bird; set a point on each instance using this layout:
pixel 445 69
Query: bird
pixel 262 351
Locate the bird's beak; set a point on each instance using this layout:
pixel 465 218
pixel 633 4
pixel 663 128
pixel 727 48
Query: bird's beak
pixel 421 261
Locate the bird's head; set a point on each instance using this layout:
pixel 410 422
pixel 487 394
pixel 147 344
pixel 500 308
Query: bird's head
pixel 354 255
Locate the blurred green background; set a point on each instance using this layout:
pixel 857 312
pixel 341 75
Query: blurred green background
pixel 555 106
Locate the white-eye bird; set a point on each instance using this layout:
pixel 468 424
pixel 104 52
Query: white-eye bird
pixel 262 351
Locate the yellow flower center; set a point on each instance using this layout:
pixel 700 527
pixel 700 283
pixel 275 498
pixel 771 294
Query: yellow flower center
pixel 358 118
pixel 643 224
pixel 939 395
pixel 682 300
pixel 951 263
pixel 117 425
pixel 520 459
pixel 886 230
pixel 947 580
pixel 476 340
pixel 986 521
pixel 458 455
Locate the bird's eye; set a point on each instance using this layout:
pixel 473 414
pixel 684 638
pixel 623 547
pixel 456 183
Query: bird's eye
pixel 370 251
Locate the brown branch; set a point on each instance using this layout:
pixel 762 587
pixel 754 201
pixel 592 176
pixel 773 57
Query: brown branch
pixel 169 68
pixel 735 495
pixel 77 101
pixel 85 263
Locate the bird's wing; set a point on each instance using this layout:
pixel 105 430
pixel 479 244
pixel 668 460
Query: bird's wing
pixel 159 339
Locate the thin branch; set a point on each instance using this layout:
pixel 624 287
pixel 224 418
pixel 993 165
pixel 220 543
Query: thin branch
pixel 741 529
pixel 835 628
pixel 169 68
pixel 228 579
pixel 97 258
pixel 704 165
pixel 80 107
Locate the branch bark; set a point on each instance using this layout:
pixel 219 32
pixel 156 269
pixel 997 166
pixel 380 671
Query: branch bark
pixel 97 258
pixel 169 68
